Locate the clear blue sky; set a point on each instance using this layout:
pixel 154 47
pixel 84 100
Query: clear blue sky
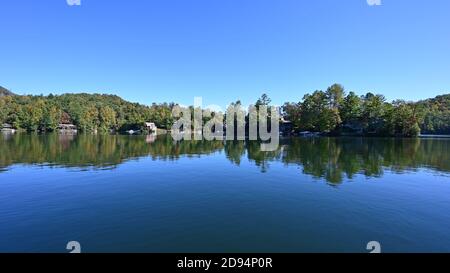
pixel 172 50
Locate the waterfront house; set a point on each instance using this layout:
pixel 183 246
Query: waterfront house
pixel 7 128
pixel 150 127
pixel 286 127
pixel 67 129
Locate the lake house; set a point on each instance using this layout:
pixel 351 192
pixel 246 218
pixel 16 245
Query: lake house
pixel 150 127
pixel 7 128
pixel 286 127
pixel 67 129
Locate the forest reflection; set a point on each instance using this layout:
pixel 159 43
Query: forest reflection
pixel 333 159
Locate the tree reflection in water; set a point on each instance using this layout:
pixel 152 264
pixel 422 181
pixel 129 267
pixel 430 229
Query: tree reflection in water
pixel 333 159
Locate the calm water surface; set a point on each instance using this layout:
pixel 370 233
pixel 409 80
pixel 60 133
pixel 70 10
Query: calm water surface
pixel 147 194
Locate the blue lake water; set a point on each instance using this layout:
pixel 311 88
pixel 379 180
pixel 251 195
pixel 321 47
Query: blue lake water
pixel 147 194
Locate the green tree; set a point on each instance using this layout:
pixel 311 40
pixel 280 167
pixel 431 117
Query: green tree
pixel 316 114
pixel 107 118
pixel 335 95
pixel 263 100
pixel 292 112
pixel 51 118
pixel 404 120
pixel 351 108
pixel 373 109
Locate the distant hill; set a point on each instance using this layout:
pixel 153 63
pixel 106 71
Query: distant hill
pixel 5 92
pixel 89 112
pixel 442 101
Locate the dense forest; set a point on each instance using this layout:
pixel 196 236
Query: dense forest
pixel 88 112
pixel 331 111
pixel 435 114
pixel 336 112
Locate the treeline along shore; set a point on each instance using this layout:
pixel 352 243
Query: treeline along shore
pixel 331 112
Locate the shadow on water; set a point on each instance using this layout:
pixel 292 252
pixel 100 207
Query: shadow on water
pixel 329 158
